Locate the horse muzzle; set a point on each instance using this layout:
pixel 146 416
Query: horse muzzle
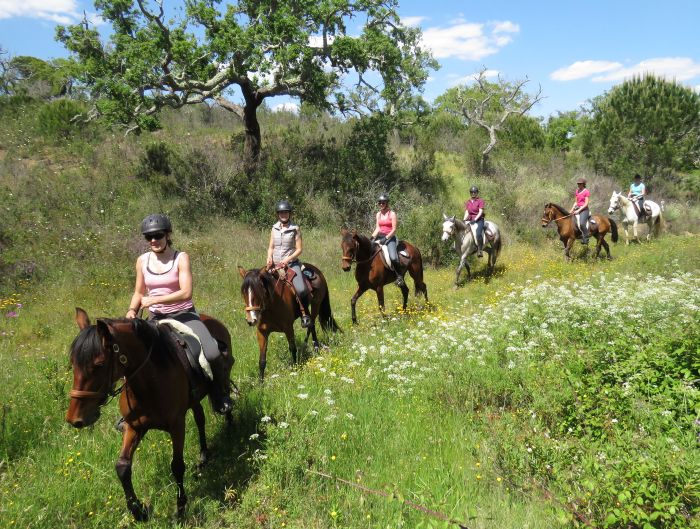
pixel 611 210
pixel 80 420
pixel 445 236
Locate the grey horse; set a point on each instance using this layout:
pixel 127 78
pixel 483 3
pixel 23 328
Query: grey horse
pixel 465 245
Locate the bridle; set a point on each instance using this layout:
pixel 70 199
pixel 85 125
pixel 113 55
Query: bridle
pixel 353 258
pixel 105 394
pixel 547 218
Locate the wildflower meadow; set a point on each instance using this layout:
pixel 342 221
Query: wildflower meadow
pixel 549 395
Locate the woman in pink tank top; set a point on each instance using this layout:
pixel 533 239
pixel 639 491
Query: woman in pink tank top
pixel 164 287
pixel 385 233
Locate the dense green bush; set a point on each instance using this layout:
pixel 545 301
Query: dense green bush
pixel 57 120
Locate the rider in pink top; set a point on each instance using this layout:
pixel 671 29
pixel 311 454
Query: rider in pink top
pixel 580 208
pixel 385 233
pixel 164 287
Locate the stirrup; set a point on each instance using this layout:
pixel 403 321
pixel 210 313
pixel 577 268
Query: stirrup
pixel 400 281
pixel 222 404
pixel 305 321
pixel 119 425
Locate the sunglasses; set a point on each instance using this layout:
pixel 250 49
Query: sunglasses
pixel 382 203
pixel 154 236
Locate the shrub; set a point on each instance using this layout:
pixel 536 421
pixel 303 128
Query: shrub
pixel 57 120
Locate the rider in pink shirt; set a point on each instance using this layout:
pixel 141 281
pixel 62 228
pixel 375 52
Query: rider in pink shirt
pixel 385 233
pixel 580 208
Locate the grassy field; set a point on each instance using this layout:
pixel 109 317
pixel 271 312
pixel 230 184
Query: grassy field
pixel 550 395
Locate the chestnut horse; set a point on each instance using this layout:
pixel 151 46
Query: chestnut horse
pixel 272 305
pixel 568 232
pixel 155 393
pixel 370 271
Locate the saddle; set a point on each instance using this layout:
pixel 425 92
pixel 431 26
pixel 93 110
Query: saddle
pixel 647 209
pixel 590 224
pixel 404 257
pixel 489 234
pixel 189 352
pixel 307 275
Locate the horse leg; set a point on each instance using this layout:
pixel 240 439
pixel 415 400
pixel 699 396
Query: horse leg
pixel 130 441
pixel 289 333
pixel 404 293
pixel 634 230
pixel 262 362
pixel 380 298
pixel 353 301
pixel 462 261
pixel 567 248
pixel 200 421
pixel 177 465
pixel 607 249
pixel 598 245
pixel 625 225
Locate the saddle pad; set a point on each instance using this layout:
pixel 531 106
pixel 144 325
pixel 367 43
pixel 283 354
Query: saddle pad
pixel 194 350
pixel 488 233
pixel 385 256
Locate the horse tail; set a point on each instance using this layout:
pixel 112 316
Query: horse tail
pixel 659 222
pixel 613 229
pixel 497 244
pixel 417 274
pixel 325 315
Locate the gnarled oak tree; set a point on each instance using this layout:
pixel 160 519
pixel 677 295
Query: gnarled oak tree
pixel 265 48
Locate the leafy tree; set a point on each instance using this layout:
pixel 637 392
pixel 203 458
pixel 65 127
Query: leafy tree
pixel 489 106
pixel 30 76
pixel 647 125
pixel 264 48
pixel 561 130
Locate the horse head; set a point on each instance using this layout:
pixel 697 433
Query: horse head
pixel 614 202
pixel 254 293
pixel 348 244
pixel 448 227
pixel 548 215
pixel 97 364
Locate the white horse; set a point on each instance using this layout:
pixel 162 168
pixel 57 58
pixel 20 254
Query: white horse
pixel 465 243
pixel 629 215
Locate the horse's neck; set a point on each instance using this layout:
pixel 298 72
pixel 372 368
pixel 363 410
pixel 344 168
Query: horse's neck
pixel 364 248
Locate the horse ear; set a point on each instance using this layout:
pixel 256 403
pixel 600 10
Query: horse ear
pixel 353 232
pixel 343 231
pixel 103 330
pixel 453 218
pixel 81 318
pixel 241 271
pixel 444 217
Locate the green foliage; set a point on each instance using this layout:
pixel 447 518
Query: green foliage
pixel 522 133
pixel 57 119
pixel 33 77
pixel 561 130
pixel 645 125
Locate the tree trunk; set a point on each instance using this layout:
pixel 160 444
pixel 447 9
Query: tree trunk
pixel 487 151
pixel 251 149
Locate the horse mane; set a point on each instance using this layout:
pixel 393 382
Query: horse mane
pixel 259 283
pixel 88 344
pixel 561 209
pixel 460 224
pixel 364 242
pixel 85 347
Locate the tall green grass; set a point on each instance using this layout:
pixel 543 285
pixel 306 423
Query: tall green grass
pixel 420 408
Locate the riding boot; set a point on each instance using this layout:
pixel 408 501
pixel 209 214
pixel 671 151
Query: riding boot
pixel 480 249
pixel 220 392
pixel 305 317
pixel 399 275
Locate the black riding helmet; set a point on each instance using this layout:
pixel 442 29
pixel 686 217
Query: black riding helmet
pixel 156 222
pixel 283 205
pixel 383 198
pixel 474 189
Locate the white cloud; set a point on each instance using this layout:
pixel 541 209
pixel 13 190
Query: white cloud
pixel 679 68
pixel 286 107
pixel 468 41
pixel 505 27
pixel 412 21
pixel 582 69
pixel 470 79
pixel 59 11
pixel 697 89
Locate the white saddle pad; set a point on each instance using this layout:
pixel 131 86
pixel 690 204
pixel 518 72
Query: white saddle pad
pixel 385 255
pixel 184 329
pixel 488 231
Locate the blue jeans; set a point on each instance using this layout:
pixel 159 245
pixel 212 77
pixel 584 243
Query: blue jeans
pixel 210 347
pixel 479 231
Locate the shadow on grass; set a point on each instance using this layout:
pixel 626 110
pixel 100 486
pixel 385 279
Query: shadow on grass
pixel 230 464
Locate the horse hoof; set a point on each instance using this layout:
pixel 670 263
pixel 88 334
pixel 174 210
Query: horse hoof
pixel 140 512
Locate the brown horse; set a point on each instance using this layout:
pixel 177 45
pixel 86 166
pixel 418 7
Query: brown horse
pixel 272 305
pixel 370 271
pixel 155 394
pixel 568 232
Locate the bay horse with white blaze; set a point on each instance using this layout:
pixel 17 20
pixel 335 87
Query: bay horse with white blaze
pixel 370 271
pixel 569 232
pixel 156 391
pixel 272 305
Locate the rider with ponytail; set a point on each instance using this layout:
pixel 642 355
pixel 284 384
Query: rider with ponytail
pixel 385 233
pixel 580 208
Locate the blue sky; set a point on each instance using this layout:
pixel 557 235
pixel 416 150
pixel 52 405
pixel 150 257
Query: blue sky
pixel 574 49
